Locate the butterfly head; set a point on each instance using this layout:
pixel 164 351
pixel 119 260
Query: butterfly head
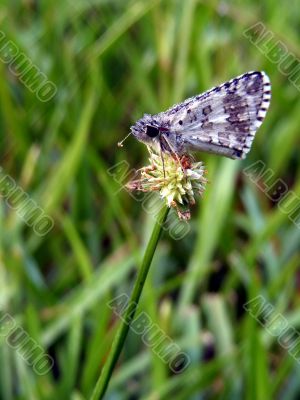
pixel 146 130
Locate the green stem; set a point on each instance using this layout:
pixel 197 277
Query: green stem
pixel 121 335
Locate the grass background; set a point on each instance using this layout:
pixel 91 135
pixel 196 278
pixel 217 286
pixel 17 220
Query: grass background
pixel 112 61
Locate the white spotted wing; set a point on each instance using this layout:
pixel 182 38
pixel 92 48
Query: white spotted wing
pixel 222 121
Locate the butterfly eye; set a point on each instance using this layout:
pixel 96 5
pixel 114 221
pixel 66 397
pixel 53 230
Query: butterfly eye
pixel 152 131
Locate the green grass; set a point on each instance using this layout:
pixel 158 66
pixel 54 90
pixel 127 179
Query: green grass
pixel 112 61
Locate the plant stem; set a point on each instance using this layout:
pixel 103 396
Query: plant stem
pixel 121 335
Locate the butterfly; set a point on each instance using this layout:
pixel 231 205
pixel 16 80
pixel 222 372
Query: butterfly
pixel 221 121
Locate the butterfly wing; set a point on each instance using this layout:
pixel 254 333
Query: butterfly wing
pixel 223 120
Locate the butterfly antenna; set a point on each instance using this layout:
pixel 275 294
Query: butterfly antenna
pixel 120 144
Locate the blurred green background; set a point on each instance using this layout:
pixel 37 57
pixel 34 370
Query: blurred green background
pixel 112 61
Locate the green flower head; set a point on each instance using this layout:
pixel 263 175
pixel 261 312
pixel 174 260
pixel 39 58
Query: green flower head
pixel 177 179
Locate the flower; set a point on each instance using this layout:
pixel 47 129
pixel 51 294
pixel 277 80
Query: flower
pixel 177 179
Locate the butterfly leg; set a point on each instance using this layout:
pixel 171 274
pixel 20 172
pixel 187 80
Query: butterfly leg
pixel 165 144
